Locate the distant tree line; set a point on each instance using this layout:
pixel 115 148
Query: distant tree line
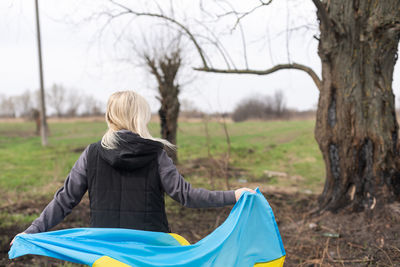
pixel 264 107
pixel 267 108
pixel 61 102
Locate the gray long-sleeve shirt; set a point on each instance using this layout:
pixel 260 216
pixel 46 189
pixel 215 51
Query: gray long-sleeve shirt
pixel 75 186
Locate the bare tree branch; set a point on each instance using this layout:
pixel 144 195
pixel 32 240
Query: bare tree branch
pixel 238 23
pixel 305 27
pixel 202 55
pixel 217 43
pixel 161 16
pixel 151 63
pixel 220 49
pixel 244 46
pixel 241 15
pixel 228 153
pixel 296 66
pixel 287 31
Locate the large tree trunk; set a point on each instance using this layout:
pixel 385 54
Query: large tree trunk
pixel 356 126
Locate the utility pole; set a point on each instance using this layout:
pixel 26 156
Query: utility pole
pixel 43 122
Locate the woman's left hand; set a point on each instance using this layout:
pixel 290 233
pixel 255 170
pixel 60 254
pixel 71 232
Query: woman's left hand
pixel 12 241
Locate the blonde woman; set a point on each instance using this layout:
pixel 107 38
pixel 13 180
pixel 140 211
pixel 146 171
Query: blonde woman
pixel 126 175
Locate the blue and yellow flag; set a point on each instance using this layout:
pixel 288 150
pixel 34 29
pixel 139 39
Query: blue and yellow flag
pixel 248 237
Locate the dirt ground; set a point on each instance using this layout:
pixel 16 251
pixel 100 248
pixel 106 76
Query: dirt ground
pixel 343 239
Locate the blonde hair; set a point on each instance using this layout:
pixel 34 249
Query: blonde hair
pixel 130 111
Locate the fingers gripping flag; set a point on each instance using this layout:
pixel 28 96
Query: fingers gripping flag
pixel 248 237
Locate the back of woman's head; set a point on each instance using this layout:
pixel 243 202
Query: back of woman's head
pixel 127 110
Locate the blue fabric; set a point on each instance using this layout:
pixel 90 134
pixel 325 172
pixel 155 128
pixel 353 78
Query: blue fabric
pixel 249 235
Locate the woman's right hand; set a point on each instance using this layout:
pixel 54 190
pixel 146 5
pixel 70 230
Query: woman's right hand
pixel 12 241
pixel 239 192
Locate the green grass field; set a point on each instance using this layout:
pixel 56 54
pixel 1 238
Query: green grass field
pixel 285 146
pixel 31 174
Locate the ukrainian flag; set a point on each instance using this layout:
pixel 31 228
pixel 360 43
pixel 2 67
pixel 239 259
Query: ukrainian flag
pixel 248 237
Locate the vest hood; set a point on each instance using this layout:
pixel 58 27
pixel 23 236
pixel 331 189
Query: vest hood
pixel 133 151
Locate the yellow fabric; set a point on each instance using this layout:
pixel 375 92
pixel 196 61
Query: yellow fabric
pixel 180 239
pixel 274 263
pixel 106 261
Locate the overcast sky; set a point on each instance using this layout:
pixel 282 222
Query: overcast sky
pixel 75 56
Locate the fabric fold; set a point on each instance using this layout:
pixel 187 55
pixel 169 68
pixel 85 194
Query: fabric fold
pixel 248 236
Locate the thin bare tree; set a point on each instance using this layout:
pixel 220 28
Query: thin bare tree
pixel 23 104
pixel 91 106
pixel 279 103
pixel 73 103
pixel 164 65
pixel 7 107
pixel 56 98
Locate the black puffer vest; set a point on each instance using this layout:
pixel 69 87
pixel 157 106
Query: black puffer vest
pixel 124 185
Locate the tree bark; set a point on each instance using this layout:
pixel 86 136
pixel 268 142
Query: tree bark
pixel 356 126
pixel 165 69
